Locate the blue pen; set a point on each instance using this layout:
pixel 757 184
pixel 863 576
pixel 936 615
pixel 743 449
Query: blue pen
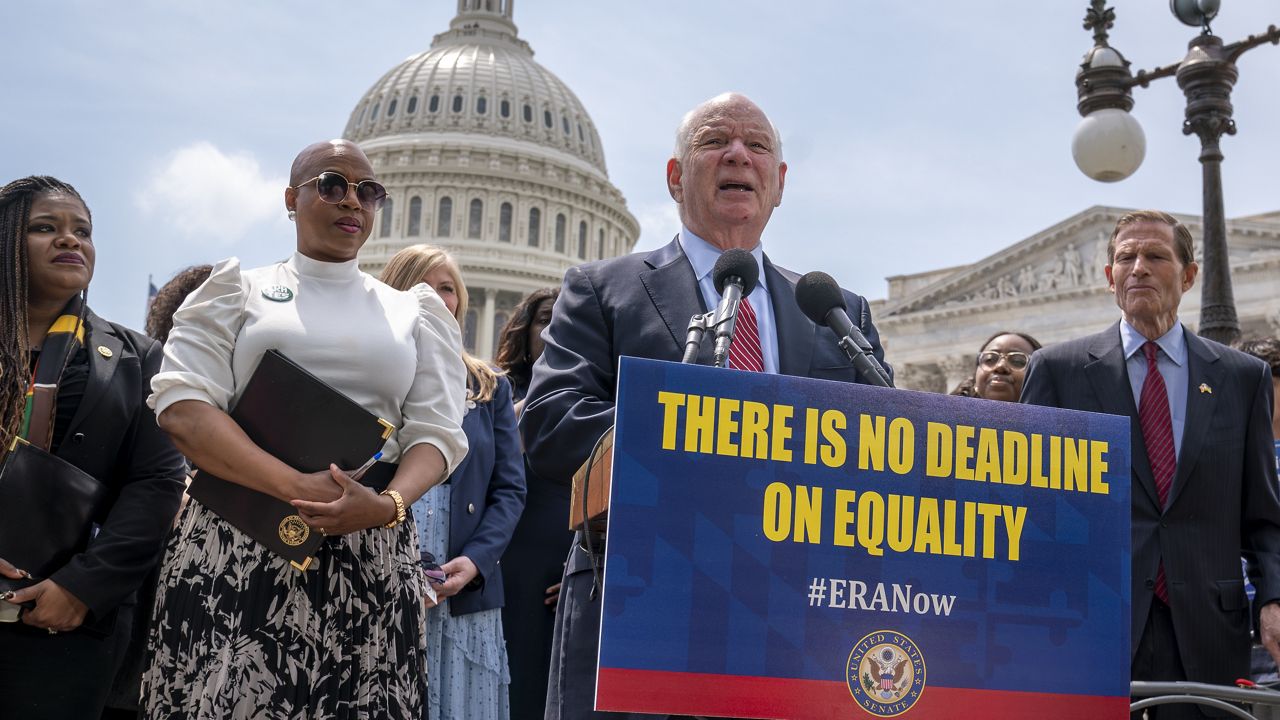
pixel 360 471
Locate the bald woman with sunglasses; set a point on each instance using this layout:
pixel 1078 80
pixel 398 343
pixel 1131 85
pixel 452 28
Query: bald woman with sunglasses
pixel 238 632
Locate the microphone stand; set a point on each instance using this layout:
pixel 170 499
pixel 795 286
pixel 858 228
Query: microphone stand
pixel 698 325
pixel 864 361
pixel 724 320
pixel 857 349
pixel 720 356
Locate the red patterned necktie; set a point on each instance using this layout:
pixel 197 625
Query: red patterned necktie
pixel 1157 435
pixel 744 353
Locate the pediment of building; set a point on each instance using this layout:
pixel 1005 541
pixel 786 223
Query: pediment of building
pixel 1063 260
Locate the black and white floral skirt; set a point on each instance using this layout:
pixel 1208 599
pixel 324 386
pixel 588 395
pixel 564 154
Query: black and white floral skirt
pixel 239 633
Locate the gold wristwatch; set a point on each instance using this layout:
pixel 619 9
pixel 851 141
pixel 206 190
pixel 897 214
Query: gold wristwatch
pixel 399 501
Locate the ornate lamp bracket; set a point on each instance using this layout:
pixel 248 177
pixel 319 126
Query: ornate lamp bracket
pixel 1104 78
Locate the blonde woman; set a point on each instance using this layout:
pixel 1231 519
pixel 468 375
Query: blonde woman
pixel 467 522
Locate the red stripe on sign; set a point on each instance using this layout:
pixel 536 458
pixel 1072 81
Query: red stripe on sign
pixel 651 691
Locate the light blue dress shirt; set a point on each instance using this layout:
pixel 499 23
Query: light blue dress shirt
pixel 1172 361
pixel 703 256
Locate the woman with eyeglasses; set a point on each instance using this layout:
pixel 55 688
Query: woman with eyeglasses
pixel 63 635
pixel 238 632
pixel 467 522
pixel 1000 368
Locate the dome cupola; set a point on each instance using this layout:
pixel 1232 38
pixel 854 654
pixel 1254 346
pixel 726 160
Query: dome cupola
pixel 489 154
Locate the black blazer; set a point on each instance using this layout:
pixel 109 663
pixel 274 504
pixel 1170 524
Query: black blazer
pixel 487 498
pixel 1224 496
pixel 640 305
pixel 114 437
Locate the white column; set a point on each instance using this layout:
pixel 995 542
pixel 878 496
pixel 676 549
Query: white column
pixel 484 343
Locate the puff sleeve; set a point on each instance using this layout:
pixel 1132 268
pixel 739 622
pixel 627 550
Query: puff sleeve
pixel 433 409
pixel 197 357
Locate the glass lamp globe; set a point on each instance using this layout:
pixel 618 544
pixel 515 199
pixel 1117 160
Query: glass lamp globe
pixel 1108 145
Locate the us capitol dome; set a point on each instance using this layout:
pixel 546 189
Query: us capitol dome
pixel 487 153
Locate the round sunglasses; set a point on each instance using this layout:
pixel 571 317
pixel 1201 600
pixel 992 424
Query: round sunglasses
pixel 991 358
pixel 332 188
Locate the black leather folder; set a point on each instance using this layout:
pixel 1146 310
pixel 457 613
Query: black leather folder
pixel 306 424
pixel 47 510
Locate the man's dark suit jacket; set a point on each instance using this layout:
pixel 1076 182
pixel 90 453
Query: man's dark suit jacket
pixel 486 498
pixel 114 437
pixel 640 305
pixel 1224 496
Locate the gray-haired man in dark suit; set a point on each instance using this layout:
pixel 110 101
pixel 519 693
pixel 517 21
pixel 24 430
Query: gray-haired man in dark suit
pixel 726 176
pixel 1204 473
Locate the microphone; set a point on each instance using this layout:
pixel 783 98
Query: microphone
pixel 820 299
pixel 735 275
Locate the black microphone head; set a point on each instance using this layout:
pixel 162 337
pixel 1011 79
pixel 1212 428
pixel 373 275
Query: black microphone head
pixel 739 263
pixel 816 293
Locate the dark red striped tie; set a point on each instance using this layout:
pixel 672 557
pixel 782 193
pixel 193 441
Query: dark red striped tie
pixel 1157 435
pixel 744 353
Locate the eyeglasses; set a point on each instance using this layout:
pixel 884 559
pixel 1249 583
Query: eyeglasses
pixel 332 188
pixel 991 358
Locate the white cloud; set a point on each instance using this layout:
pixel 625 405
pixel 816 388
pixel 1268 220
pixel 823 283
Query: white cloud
pixel 205 193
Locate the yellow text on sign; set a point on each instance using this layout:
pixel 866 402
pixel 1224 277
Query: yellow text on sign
pixel 899 523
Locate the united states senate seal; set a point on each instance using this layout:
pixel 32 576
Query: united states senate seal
pixel 277 293
pixel 885 673
pixel 293 532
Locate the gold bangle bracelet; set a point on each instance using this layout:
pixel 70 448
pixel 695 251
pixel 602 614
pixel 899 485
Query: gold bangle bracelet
pixel 399 501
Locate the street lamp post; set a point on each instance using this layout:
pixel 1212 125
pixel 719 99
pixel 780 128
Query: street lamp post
pixel 1109 144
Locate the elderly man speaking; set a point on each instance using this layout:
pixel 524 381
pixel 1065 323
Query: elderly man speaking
pixel 726 176
pixel 1204 477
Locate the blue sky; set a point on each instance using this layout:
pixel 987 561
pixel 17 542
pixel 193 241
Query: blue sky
pixel 919 134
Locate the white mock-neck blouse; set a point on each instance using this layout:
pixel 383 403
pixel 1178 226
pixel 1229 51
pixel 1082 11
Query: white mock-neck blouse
pixel 396 353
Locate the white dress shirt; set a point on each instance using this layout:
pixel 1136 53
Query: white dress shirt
pixel 1172 362
pixel 703 256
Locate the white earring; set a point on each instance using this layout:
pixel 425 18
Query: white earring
pixel 293 214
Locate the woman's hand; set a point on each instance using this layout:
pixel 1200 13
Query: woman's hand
pixel 319 487
pixel 8 570
pixel 553 596
pixel 459 572
pixel 430 598
pixel 56 609
pixel 357 508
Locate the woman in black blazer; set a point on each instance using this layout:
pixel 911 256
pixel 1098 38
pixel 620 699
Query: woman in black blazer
pixel 534 562
pixel 58 658
pixel 468 521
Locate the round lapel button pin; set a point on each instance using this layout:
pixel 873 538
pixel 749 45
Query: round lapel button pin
pixel 277 293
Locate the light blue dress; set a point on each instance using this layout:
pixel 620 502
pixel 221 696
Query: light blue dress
pixel 467 676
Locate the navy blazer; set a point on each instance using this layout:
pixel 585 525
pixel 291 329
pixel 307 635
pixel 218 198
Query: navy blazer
pixel 114 437
pixel 1223 499
pixel 640 305
pixel 488 496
